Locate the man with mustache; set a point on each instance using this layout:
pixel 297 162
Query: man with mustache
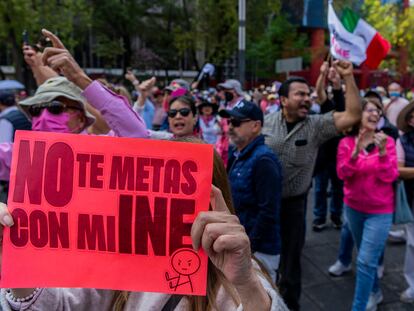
pixel 295 137
pixel 255 175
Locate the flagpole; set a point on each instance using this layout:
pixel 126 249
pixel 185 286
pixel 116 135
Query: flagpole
pixel 242 40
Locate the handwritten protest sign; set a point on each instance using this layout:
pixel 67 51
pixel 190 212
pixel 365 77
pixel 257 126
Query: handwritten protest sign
pixel 106 212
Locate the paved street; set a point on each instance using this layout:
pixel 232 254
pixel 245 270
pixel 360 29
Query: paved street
pixel 324 293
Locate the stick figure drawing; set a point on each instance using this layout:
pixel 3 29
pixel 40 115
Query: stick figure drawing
pixel 185 262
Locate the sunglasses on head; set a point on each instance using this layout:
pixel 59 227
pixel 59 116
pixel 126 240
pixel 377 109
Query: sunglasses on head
pixel 183 112
pixel 54 107
pixel 237 122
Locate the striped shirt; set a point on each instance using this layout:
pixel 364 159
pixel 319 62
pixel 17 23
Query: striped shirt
pixel 297 150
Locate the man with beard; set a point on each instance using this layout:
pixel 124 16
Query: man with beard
pixel 295 137
pixel 255 175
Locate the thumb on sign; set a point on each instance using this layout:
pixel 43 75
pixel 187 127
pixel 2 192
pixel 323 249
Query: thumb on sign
pixel 217 201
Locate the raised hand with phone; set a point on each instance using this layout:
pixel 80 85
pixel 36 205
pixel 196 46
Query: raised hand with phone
pixel 32 54
pixel 61 61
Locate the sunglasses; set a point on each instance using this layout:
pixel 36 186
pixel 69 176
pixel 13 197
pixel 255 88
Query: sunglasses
pixel 237 122
pixel 183 112
pixel 54 107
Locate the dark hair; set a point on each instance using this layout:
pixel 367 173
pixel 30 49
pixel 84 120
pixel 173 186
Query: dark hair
pixel 373 94
pixel 187 100
pixel 285 87
pixel 7 98
pixel 365 101
pixel 205 103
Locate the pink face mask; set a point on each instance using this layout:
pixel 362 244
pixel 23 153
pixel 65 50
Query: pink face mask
pixel 49 122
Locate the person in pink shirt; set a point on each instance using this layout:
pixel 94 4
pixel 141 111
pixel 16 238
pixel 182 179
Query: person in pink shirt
pixel 367 163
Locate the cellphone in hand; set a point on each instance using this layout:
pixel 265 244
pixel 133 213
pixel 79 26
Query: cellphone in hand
pixel 25 36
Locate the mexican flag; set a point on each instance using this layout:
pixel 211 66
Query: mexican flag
pixel 355 40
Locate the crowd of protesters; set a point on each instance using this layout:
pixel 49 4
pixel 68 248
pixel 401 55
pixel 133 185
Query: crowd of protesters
pixel 272 144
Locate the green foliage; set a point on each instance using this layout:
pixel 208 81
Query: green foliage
pixel 57 16
pixel 212 27
pixel 117 23
pixel 158 33
pixel 384 18
pixel 394 24
pixel 68 18
pixel 280 39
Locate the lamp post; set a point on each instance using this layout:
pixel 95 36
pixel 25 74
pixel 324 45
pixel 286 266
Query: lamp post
pixel 242 41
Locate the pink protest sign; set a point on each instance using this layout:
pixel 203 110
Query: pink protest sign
pixel 104 212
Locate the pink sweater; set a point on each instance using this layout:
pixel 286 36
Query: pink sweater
pixel 368 179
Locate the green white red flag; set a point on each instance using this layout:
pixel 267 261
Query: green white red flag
pixel 355 40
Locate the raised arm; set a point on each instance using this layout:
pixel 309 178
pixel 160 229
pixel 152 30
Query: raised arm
pixel 320 83
pixel 34 60
pixel 115 110
pixel 60 60
pixel 144 106
pixel 144 89
pixel 353 110
pixel 131 78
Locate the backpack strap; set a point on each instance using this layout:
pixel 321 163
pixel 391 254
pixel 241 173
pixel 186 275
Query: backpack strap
pixel 172 302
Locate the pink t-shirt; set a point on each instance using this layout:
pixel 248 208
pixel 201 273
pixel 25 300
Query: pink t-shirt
pixel 368 179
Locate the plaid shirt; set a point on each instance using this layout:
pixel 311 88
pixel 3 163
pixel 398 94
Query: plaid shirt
pixel 298 149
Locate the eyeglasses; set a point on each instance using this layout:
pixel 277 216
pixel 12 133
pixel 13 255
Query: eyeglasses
pixel 237 122
pixel 54 107
pixel 371 110
pixel 183 112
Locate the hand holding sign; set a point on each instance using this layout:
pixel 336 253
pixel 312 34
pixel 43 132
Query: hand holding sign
pixel 60 60
pixel 224 239
pixel 6 220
